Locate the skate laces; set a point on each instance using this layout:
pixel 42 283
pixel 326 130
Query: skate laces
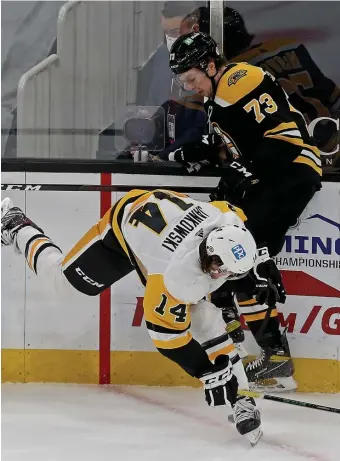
pixel 244 410
pixel 257 362
pixel 11 222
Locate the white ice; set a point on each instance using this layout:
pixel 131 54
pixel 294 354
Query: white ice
pixel 43 422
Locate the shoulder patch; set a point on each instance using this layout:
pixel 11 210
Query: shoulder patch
pixel 236 76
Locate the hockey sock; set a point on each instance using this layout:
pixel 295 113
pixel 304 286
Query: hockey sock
pixel 32 243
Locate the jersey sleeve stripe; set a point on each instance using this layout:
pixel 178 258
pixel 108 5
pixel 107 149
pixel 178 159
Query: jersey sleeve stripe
pixel 118 213
pixel 85 242
pixel 166 336
pixel 297 142
pixel 161 329
pixel 227 349
pixel 286 126
pixel 311 156
pixel 213 342
pixel 173 343
pixel 259 316
pixel 218 346
pixel 257 309
pixel 248 302
pixel 306 161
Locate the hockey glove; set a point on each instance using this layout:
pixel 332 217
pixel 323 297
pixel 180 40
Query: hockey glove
pixel 268 281
pixel 220 384
pixel 194 155
pixel 235 184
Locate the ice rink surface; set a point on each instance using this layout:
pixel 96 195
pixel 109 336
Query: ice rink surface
pixel 43 422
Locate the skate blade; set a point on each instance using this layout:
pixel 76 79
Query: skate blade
pixel 274 385
pixel 254 436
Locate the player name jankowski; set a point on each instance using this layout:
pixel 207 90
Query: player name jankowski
pixel 191 220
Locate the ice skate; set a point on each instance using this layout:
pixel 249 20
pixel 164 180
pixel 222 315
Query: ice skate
pixel 12 220
pixel 273 370
pixel 248 419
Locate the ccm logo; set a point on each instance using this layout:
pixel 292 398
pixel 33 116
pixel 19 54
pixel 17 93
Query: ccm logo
pixel 241 169
pixel 220 379
pixel 87 279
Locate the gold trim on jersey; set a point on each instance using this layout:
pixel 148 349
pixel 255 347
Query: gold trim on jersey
pixel 227 207
pixel 284 127
pixel 105 223
pixel 223 351
pixel 248 302
pixel 252 317
pixel 141 267
pixel 173 343
pixel 230 91
pixel 288 132
pixel 79 248
pixel 307 161
pixel 218 346
pixel 117 218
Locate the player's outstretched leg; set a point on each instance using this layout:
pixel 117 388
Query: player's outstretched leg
pixel 41 254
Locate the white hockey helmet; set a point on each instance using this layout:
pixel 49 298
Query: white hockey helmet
pixel 235 246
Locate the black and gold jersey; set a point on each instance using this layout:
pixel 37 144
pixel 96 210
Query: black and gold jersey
pixel 256 120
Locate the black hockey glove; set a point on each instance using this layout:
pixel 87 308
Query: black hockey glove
pixel 235 184
pixel 269 288
pixel 195 154
pixel 220 384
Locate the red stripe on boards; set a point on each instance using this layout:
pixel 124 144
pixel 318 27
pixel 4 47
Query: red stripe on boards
pixel 105 300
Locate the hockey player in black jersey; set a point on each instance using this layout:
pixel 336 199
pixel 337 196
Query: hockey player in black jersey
pixel 309 90
pixel 272 169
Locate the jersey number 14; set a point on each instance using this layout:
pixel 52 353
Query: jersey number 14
pixel 179 311
pixel 150 214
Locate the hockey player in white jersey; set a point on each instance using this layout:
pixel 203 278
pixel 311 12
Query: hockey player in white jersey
pixel 182 250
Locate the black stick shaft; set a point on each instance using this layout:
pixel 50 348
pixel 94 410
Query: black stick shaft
pixel 298 403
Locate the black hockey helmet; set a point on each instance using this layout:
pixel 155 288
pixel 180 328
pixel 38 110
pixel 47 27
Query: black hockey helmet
pixel 236 37
pixel 193 50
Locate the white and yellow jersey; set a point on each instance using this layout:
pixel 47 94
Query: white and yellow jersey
pixel 161 232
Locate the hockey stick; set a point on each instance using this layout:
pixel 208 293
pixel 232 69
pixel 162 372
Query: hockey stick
pixel 298 403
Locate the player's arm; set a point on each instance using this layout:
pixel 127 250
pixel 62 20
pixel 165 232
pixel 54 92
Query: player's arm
pixel 168 323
